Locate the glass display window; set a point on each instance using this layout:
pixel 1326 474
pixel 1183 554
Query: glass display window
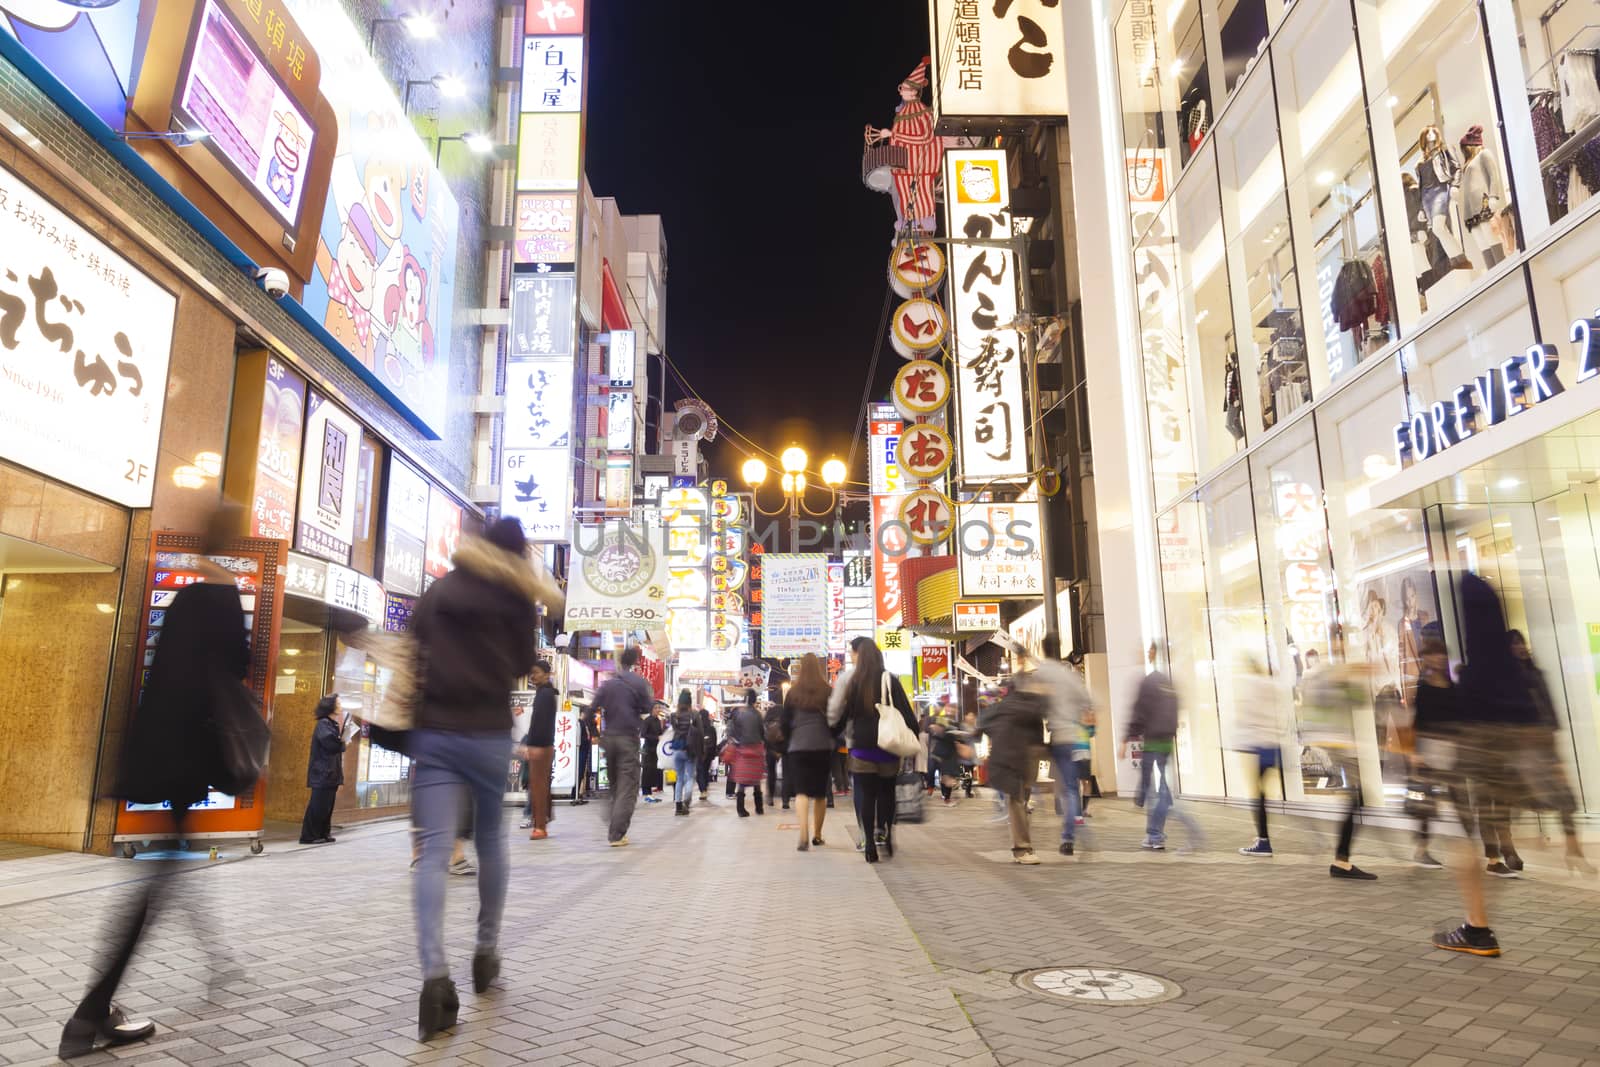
pixel 1188 656
pixel 1494 325
pixel 1558 42
pixel 1333 188
pixel 1568 528
pixel 1162 347
pixel 1166 97
pixel 1218 390
pixel 1271 336
pixel 1436 133
pixel 1243 34
pixel 1566 281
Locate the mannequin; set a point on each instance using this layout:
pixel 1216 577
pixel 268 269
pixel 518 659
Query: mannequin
pixel 1483 196
pixel 1437 174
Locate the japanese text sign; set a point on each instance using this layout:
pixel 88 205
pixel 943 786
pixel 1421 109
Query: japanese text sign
pixel 1000 59
pixel 989 357
pixel 406 529
pixel 85 340
pixel 552 73
pixel 547 229
pixel 977 617
pixel 327 526
pixel 1000 550
pixel 797 607
pixel 838 617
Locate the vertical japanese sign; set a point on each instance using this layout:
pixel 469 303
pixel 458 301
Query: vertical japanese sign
pixel 991 421
pixel 889 541
pixel 85 339
pixel 328 481
pixel 998 60
pixel 796 618
pixel 283 411
pixel 686 513
pixel 405 529
pixel 860 618
pixel 536 466
pixel 838 619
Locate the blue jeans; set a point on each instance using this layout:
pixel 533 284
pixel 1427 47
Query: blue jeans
pixel 452 770
pixel 1067 789
pixel 683 768
pixel 1155 825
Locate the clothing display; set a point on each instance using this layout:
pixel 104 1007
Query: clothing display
pixel 1544 108
pixel 1196 122
pixel 1232 397
pixel 1483 188
pixel 1580 89
pixel 1355 295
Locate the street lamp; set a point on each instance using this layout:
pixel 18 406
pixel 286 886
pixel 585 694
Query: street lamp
pixel 794 483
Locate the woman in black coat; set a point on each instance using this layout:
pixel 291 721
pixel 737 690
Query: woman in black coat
pixel 855 701
pixel 324 773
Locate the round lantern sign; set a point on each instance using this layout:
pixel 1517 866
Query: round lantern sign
pixel 915 267
pixel 921 388
pixel 918 327
pixel 928 515
pixel 924 451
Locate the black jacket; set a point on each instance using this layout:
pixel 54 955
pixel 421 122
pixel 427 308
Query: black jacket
pixel 687 731
pixel 171 752
pixel 326 769
pixel 862 713
pixel 477 633
pixel 708 733
pixel 542 724
pixel 1015 728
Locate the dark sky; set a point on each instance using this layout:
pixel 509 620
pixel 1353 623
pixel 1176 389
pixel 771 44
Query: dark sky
pixel 744 134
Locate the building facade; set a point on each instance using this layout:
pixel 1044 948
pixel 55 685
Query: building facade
pixel 1343 324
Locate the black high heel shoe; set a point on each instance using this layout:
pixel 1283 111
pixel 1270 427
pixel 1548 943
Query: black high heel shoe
pixel 485 969
pixel 82 1036
pixel 437 1007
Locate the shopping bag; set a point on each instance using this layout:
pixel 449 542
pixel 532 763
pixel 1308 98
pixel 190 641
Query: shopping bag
pixel 894 736
pixel 909 788
pixel 243 736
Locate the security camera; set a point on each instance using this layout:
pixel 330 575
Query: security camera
pixel 273 280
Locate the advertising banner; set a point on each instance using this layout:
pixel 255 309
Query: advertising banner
pixel 547 229
pixel 542 320
pixel 978 617
pixel 444 536
pixel 536 487
pixel 569 735
pixel 85 340
pixel 552 73
pixel 998 61
pixel 328 481
pixel 1001 551
pixel 283 411
pixel 618 578
pixel 796 618
pixel 838 621
pixel 405 529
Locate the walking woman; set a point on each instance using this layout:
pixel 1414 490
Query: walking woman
pixel 747 755
pixel 871 768
pixel 686 739
pixel 806 766
pixel 708 749
pixel 324 773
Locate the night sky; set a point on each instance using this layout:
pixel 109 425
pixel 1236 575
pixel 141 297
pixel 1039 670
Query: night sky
pixel 747 142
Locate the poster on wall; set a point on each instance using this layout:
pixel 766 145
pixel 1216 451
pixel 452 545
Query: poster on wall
pixel 405 529
pixel 328 481
pixel 85 342
pixel 617 578
pixel 444 536
pixel 384 280
pixel 283 410
pixel 795 589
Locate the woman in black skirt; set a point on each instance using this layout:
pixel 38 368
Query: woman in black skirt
pixel 810 747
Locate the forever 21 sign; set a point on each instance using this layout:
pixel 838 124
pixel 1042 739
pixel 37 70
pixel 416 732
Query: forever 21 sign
pixel 1506 389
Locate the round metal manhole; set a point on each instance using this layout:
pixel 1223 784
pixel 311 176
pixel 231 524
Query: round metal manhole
pixel 1099 985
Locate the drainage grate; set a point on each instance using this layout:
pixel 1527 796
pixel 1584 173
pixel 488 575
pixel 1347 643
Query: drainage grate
pixel 1098 985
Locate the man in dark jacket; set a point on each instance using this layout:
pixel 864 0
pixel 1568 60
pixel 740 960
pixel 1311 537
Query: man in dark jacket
pixel 1155 722
pixel 623 703
pixel 477 634
pixel 539 751
pixel 324 773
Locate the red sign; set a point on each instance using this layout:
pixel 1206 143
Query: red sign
pixel 935 662
pixel 889 544
pixel 552 17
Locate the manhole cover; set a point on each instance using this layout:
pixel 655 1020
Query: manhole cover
pixel 1099 985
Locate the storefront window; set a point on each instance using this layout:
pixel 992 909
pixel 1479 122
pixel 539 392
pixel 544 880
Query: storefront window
pixel 382 777
pixel 1166 97
pixel 1272 344
pixel 1233 578
pixel 1440 131
pixel 1161 342
pixel 1216 385
pixel 1496 324
pixel 1328 158
pixel 1566 281
pixel 1569 529
pixel 1558 41
pixel 1188 649
pixel 1244 36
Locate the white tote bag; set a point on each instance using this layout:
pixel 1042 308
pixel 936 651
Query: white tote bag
pixel 894 736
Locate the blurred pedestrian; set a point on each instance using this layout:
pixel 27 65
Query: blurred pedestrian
pixel 810 747
pixel 1014 726
pixel 1154 722
pixel 623 705
pixel 477 634
pixel 1068 711
pixel 539 751
pixel 1258 725
pixel 650 776
pixel 772 727
pixel 746 753
pixel 1434 726
pixel 588 737
pixel 854 703
pixel 1330 697
pixel 170 756
pixel 708 749
pixel 1543 772
pixel 686 742
pixel 967 757
pixel 324 773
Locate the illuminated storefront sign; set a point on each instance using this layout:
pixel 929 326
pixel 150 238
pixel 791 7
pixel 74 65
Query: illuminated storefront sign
pixel 327 524
pixel 1000 552
pixel 1508 388
pixel 406 529
pixel 547 229
pixel 997 60
pixel 283 410
pixel 989 358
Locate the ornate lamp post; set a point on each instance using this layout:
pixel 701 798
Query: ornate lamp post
pixel 794 483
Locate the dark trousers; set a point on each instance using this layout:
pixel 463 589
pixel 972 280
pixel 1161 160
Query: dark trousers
pixel 1347 832
pixel 774 761
pixel 318 821
pixel 874 806
pixel 841 777
pixel 581 789
pixel 650 777
pixel 704 770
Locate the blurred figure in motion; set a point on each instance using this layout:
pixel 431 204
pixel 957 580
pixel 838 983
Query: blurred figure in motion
pixel 624 703
pixel 1329 699
pixel 539 752
pixel 810 747
pixel 707 750
pixel 967 751
pixel 1014 726
pixel 650 777
pixel 855 703
pixel 1543 772
pixel 1154 722
pixel 477 634
pixel 1258 724
pixel 1435 725
pixel 171 756
pixel 776 742
pixel 747 755
pixel 1068 711
pixel 686 744
pixel 324 773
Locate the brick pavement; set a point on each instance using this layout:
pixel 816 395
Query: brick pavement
pixel 713 941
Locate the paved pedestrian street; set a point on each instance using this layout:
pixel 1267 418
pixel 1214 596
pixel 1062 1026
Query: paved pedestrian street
pixel 713 941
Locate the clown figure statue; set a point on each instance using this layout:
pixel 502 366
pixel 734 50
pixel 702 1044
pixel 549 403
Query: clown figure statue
pixel 913 130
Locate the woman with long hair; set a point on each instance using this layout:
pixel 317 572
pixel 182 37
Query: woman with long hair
pixel 871 768
pixel 747 760
pixel 810 751
pixel 686 737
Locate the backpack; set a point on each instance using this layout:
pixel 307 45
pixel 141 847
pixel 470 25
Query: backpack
pixel 774 732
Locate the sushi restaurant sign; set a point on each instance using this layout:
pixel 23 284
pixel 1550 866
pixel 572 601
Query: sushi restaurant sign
pixel 1508 388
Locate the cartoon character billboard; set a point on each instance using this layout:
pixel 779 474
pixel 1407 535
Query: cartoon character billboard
pixel 384 279
pixel 88 45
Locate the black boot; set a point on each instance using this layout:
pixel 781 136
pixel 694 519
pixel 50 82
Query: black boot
pixel 743 814
pixel 485 969
pixel 759 809
pixel 437 1007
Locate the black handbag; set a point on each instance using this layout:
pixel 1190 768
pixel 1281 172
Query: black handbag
pixel 243 737
pixel 1420 803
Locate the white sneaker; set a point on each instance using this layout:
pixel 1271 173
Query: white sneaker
pixel 1027 859
pixel 463 867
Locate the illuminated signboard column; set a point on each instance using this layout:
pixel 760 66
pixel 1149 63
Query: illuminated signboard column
pixel 535 474
pixel 889 541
